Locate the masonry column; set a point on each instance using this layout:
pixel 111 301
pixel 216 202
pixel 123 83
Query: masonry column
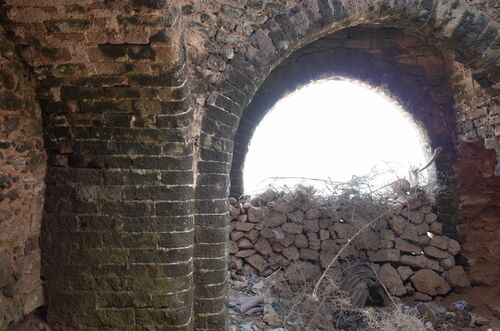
pixel 117 237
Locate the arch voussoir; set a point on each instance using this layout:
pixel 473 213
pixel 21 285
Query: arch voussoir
pixel 262 71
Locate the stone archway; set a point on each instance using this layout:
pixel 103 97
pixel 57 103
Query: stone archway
pixel 373 55
pixel 139 134
pixel 443 23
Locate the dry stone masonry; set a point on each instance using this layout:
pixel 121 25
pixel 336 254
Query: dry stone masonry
pixel 22 171
pixel 124 126
pixel 274 232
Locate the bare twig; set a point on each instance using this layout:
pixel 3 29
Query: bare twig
pixel 383 286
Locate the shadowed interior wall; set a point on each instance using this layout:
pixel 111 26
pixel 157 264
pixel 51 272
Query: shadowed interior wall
pixel 242 74
pixel 117 234
pixel 141 101
pixel 22 171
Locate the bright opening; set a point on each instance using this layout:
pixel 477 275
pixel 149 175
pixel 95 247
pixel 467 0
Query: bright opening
pixel 332 130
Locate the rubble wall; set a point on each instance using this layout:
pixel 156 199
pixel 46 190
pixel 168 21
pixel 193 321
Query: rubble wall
pixel 141 102
pixel 22 171
pixel 273 232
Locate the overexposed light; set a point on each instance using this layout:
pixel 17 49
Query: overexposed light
pixel 332 130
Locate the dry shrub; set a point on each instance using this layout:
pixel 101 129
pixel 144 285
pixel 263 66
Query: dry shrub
pixel 304 306
pixel 299 313
pixel 333 310
pixel 395 318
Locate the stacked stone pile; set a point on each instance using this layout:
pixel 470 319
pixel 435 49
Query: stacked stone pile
pixel 406 246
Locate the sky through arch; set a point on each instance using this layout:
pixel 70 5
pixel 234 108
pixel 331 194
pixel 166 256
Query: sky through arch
pixel 332 129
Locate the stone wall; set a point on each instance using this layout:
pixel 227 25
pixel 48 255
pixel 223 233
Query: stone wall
pixel 288 232
pixel 141 101
pixel 22 170
pixel 117 238
pixel 405 67
pixel 479 199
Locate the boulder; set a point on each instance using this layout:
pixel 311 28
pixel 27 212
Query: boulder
pixel 277 247
pixel 301 241
pixel 311 225
pixel 291 253
pixel 429 282
pixel 328 246
pixel 367 240
pixel 398 224
pixel 326 258
pixel 325 223
pixel 435 252
pixel 277 261
pixel 248 270
pixel 254 214
pixel 410 233
pixel 234 212
pixel 440 242
pixel 387 235
pixel 263 247
pixel 324 234
pixel 236 235
pixel 404 272
pixel 430 218
pixel 245 244
pixel 453 247
pixel 277 234
pixel 258 262
pixel 436 228
pixel 419 296
pixel 417 217
pixel 391 279
pixel 245 253
pixel 458 279
pixel 343 230
pixel 297 216
pixel 275 219
pixel 292 228
pixel 287 240
pixel 302 271
pixel 420 262
pixel 269 233
pixel 309 254
pixel 406 246
pixel 424 240
pixel 422 229
pixel 313 213
pixel 253 235
pixel 384 255
pixel 232 247
pixel 314 242
pixel 284 207
pixel 426 209
pixel 244 226
pixel 447 263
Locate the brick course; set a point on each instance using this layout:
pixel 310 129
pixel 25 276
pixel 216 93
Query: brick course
pixel 141 106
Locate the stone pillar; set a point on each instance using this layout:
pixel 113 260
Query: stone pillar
pixel 118 219
pixel 22 170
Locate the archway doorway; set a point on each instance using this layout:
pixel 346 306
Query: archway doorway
pixel 413 72
pixel 332 130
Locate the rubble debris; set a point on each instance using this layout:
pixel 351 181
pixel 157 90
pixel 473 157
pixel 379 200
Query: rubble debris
pixel 285 231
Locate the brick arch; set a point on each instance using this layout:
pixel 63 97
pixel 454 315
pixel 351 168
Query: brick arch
pixel 22 170
pixel 453 26
pixel 434 118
